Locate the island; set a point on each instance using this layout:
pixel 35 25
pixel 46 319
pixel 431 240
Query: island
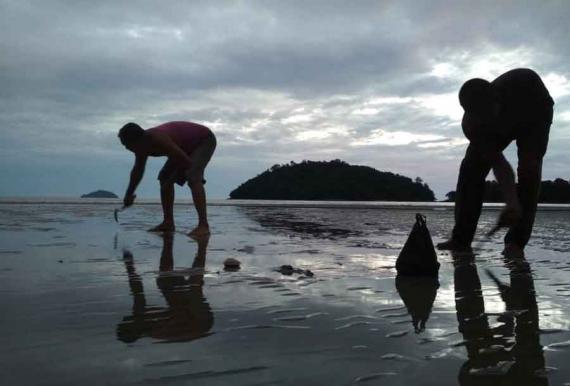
pixel 100 194
pixel 551 192
pixel 331 181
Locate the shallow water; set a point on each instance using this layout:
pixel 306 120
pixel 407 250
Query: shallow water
pixel 89 301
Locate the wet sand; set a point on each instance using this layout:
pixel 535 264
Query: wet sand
pixel 89 301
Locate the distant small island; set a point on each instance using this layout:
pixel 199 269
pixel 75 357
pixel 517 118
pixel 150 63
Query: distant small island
pixel 331 180
pixel 551 192
pixel 100 194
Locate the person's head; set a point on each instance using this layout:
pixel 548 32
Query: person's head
pixel 130 134
pixel 477 97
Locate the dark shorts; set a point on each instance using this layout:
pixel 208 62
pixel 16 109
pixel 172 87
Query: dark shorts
pixel 171 172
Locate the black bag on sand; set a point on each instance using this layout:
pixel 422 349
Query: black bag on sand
pixel 418 257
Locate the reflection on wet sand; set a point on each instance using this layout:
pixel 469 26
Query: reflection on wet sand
pixel 510 352
pixel 418 294
pixel 187 316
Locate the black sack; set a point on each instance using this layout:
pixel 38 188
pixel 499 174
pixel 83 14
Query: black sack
pixel 418 257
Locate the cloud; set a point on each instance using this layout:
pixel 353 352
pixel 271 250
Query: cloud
pixel 370 82
pixel 395 138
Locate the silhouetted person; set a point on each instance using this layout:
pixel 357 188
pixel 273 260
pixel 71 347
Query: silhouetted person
pixel 189 147
pixel 187 317
pixel 418 294
pixel 514 107
pixel 509 354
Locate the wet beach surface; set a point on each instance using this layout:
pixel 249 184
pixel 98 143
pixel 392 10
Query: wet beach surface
pixel 88 301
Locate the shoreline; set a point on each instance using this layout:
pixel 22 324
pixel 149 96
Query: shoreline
pixel 403 205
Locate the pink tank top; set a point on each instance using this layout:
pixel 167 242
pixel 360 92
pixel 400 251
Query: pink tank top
pixel 187 135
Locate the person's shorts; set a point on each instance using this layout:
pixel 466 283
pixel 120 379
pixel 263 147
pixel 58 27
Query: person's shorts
pixel 172 172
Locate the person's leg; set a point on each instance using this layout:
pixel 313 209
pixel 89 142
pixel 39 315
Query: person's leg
pixel 468 200
pixel 199 198
pixel 167 176
pixel 167 202
pixel 200 158
pixel 531 147
pixel 529 179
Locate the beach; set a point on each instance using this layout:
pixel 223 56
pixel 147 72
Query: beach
pixel 87 300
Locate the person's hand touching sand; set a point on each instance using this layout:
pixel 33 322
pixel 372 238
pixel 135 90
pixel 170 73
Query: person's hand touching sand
pixel 129 200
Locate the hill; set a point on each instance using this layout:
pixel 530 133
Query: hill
pixel 331 180
pixel 100 194
pixel 551 192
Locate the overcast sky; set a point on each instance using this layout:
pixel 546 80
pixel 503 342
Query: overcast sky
pixel 371 83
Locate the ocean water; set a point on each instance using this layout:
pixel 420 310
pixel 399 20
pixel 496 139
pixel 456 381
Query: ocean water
pixel 86 300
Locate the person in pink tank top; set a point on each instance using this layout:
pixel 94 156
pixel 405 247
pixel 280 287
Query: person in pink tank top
pixel 189 147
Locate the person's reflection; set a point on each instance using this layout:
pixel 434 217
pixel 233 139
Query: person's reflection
pixel 418 295
pixel 510 353
pixel 187 317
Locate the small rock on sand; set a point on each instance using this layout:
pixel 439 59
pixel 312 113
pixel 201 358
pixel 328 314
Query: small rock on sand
pixel 289 270
pixel 231 264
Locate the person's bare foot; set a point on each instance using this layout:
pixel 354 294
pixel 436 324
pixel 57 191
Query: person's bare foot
pixel 453 245
pixel 163 227
pixel 200 230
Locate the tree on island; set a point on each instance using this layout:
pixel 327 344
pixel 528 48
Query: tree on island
pixel 331 180
pixel 551 192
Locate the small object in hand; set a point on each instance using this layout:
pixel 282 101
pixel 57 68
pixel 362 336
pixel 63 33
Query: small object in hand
pixel 231 264
pixel 494 230
pixel 508 218
pixel 116 212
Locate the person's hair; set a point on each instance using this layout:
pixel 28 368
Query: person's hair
pixel 130 133
pixel 476 95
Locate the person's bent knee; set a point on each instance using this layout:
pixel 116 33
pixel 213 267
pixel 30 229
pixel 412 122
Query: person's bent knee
pixel 196 183
pixel 196 179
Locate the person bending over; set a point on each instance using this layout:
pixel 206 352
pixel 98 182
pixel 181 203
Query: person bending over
pixel 189 147
pixel 514 107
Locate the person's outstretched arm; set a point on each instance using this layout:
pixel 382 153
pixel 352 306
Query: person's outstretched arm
pixel 136 176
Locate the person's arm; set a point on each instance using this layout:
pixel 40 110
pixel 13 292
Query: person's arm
pixel 506 178
pixel 170 148
pixel 482 134
pixel 136 176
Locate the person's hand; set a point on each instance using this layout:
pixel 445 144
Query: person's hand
pixel 510 216
pixel 128 200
